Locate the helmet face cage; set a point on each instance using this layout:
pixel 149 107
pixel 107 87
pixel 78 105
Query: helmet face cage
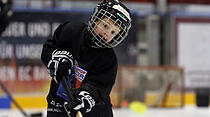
pixel 106 11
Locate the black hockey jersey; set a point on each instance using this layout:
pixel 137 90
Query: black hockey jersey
pixel 96 67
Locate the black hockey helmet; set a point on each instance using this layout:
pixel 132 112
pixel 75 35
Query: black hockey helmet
pixel 118 13
pixel 5 13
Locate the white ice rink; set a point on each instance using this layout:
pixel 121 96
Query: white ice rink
pixel 189 111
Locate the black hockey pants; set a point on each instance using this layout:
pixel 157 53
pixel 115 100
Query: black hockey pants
pixel 97 111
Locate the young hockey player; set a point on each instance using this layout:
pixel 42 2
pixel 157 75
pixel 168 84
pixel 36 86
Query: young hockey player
pixel 84 55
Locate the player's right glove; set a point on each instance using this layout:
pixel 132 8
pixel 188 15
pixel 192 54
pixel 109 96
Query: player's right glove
pixel 60 65
pixel 83 102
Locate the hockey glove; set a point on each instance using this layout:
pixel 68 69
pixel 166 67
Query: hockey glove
pixel 60 65
pixel 83 102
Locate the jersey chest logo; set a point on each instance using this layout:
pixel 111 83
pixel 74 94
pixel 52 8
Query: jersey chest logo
pixel 79 72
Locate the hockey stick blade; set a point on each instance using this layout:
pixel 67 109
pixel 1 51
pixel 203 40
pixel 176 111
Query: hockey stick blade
pixel 69 94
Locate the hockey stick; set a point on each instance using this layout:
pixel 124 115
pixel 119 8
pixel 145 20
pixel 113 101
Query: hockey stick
pixel 17 105
pixel 69 94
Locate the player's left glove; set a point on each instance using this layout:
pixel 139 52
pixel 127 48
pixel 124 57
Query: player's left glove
pixel 82 102
pixel 60 65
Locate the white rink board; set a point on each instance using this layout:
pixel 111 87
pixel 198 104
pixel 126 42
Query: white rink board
pixel 194 53
pixel 151 112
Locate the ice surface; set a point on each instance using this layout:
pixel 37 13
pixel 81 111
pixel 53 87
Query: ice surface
pixel 189 111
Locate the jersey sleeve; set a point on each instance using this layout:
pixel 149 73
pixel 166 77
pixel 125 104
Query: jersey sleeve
pixel 64 38
pixel 52 44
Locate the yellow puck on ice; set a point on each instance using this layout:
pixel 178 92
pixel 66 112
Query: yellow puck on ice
pixel 138 107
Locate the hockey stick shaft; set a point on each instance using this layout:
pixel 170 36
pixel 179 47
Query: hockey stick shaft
pixel 17 105
pixel 11 98
pixel 69 94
